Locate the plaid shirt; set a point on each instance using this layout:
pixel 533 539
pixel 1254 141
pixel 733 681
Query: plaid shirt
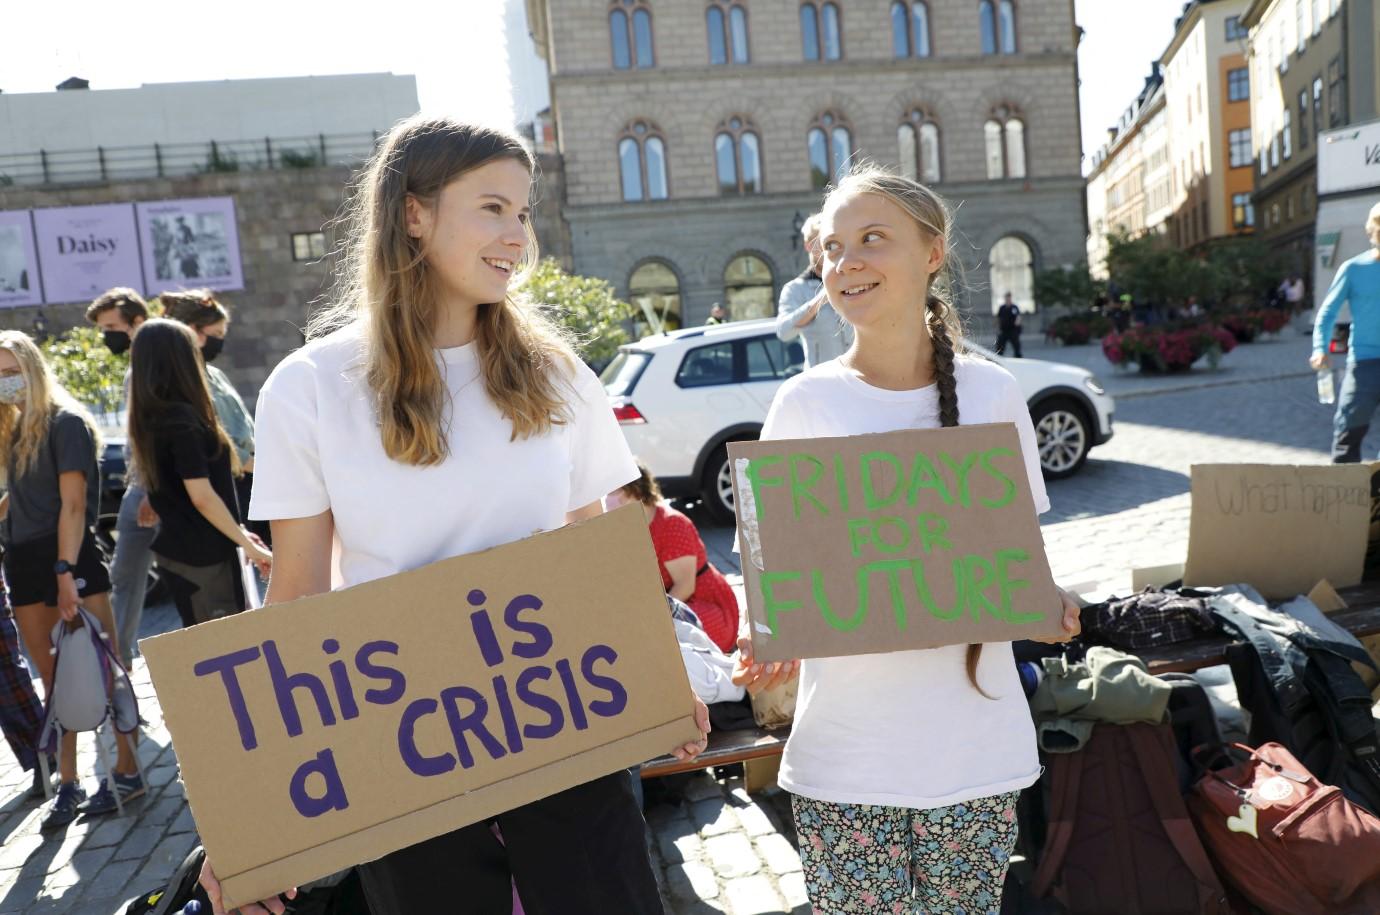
pixel 1149 619
pixel 21 714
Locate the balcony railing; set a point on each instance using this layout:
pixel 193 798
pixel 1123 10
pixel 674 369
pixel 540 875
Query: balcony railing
pixel 105 164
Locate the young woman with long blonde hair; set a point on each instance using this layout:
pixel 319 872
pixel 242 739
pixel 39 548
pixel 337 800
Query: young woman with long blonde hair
pixel 904 767
pixel 434 413
pixel 49 446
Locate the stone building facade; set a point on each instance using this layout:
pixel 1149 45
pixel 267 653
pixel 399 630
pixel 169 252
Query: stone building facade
pixel 697 135
pixel 271 207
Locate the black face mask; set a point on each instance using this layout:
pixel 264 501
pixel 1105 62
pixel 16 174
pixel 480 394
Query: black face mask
pixel 212 349
pixel 117 341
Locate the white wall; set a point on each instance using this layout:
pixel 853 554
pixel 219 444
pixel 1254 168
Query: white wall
pixel 167 113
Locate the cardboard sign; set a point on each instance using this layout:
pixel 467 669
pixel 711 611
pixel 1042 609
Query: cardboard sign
pixel 1278 527
pixel 332 730
pixel 893 541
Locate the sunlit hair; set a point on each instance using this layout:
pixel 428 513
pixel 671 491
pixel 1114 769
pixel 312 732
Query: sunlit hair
pixel 130 304
pixel 810 229
pixel 645 488
pixel 24 432
pixel 932 215
pixel 197 308
pixel 1373 225
pixel 384 284
pixel 166 369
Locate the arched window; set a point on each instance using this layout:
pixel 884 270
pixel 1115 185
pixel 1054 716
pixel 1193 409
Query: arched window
pixel 821 31
pixel 728 34
pixel 748 288
pixel 830 146
pixel 654 289
pixel 910 29
pixel 997 20
pixel 1004 139
pixel 1006 25
pixel 918 139
pixel 642 162
pixel 630 34
pixel 1012 269
pixel 738 157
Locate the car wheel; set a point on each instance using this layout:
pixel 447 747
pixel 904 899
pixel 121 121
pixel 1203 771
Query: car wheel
pixel 716 486
pixel 1063 435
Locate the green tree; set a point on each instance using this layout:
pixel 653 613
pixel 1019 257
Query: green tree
pixel 585 305
pixel 1072 288
pixel 85 367
pixel 1244 269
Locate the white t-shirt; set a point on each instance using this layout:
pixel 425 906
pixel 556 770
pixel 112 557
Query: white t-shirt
pixel 318 447
pixel 907 729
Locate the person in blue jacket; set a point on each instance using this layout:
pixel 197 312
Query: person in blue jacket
pixel 1358 284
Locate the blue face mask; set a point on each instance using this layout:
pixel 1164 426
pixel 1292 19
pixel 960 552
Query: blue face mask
pixel 12 389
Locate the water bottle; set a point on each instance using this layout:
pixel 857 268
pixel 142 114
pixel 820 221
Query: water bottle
pixel 1327 390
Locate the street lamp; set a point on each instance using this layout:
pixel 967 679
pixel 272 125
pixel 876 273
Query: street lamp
pixel 797 224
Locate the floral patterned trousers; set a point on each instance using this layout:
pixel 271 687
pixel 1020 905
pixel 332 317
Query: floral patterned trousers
pixel 871 860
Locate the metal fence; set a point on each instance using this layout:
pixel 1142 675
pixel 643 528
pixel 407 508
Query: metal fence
pixel 158 160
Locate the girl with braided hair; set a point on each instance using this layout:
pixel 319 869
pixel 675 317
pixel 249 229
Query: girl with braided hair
pixel 904 767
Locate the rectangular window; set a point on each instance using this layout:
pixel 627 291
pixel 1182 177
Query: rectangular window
pixel 1317 104
pixel 1234 30
pixel 707 365
pixel 1303 119
pixel 1301 23
pixel 1336 101
pixel 308 246
pixel 1206 230
pixel 1242 213
pixel 1239 147
pixel 1317 18
pixel 1238 85
pixel 1288 133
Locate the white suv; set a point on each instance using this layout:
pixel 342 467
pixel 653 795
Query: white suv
pixel 681 397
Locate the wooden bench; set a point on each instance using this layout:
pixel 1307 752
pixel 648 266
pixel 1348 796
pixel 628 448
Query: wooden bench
pixel 1362 619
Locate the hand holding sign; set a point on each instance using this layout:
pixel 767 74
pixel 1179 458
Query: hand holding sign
pixel 901 540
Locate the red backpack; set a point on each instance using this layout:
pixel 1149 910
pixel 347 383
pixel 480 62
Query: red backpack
pixel 1287 842
pixel 1120 841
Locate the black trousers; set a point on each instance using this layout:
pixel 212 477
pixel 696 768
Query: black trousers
pixel 1009 336
pixel 580 852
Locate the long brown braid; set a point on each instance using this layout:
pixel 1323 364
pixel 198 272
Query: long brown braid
pixel 941 316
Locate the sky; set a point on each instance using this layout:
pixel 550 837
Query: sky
pixel 455 49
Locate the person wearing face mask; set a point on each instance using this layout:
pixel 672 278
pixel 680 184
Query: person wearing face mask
pixel 210 320
pixel 48 446
pixel 118 314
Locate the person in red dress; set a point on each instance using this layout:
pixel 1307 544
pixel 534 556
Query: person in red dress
pixel 686 571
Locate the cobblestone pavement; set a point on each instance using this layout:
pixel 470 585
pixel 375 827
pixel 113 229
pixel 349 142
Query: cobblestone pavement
pixel 716 848
pixel 95 864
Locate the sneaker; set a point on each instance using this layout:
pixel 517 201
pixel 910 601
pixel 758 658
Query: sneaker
pixel 63 809
pixel 103 801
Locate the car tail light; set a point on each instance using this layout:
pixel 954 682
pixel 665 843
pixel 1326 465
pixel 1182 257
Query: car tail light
pixel 627 414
